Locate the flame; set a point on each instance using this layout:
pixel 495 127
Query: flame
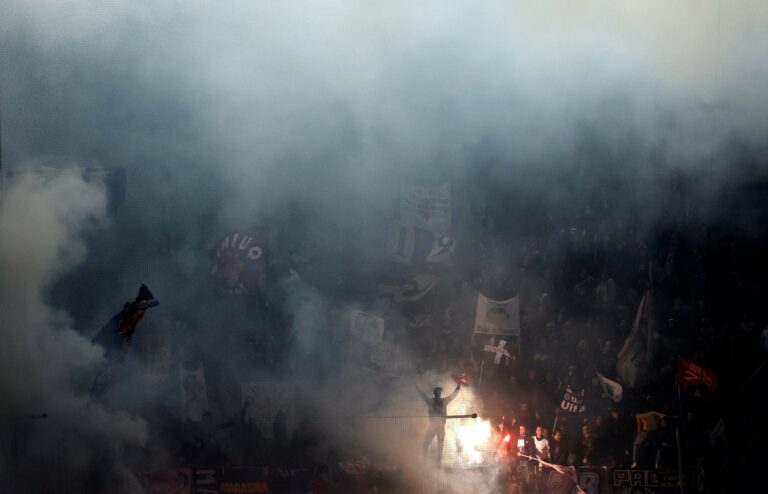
pixel 468 442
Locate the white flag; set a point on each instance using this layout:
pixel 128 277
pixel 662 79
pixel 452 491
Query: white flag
pixel 499 350
pixel 612 389
pixel 426 207
pixel 501 318
pixel 414 246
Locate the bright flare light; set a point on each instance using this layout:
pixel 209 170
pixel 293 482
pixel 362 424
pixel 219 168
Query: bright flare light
pixel 467 442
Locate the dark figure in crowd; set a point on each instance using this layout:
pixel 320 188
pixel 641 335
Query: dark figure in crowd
pixel 248 436
pixel 302 441
pixel 279 447
pixel 202 445
pixel 558 451
pixel 588 446
pixel 650 434
pixel 621 432
pixel 438 410
pixel 525 446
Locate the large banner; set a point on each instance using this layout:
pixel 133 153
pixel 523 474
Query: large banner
pixel 256 480
pixel 646 481
pixel 426 207
pixel 366 327
pixel 239 262
pixel 169 481
pixel 416 246
pixel 589 480
pixel 594 480
pixel 206 480
pixel 244 481
pixel 573 402
pixel 498 318
pixel 408 289
pixel 194 393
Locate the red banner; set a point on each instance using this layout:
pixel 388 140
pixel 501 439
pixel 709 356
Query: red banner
pixel 689 372
pixel 170 481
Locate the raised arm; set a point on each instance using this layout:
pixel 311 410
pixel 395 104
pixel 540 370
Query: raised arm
pixel 453 395
pixel 422 395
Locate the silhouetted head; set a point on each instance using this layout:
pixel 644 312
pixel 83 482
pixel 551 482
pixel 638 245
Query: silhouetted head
pixel 438 391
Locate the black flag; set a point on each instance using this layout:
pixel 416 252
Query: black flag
pixel 116 336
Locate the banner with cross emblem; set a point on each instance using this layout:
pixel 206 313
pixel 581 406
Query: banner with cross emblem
pixel 498 350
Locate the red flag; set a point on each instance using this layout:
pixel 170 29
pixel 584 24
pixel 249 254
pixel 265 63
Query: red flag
pixel 689 372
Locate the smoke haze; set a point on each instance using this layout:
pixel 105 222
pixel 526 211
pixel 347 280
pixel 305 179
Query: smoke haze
pixel 307 116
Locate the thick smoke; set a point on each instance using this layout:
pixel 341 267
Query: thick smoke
pixel 47 367
pixel 307 117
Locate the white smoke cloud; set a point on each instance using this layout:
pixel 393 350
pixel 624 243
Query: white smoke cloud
pixel 45 366
pixel 350 89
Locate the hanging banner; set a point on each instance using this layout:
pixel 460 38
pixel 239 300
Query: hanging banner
pixel 245 481
pixel 194 393
pixel 443 248
pixel 630 481
pixel 499 318
pixel 239 262
pixel 367 327
pixel 416 246
pixel 426 207
pixel 407 290
pixel 593 480
pixel 206 481
pixel 498 353
pixel 573 402
pixel 228 480
pixel 169 481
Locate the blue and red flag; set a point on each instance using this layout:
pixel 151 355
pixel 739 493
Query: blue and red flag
pixel 116 335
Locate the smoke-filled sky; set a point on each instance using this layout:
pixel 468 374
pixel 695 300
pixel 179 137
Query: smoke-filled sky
pixel 227 114
pixel 223 114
